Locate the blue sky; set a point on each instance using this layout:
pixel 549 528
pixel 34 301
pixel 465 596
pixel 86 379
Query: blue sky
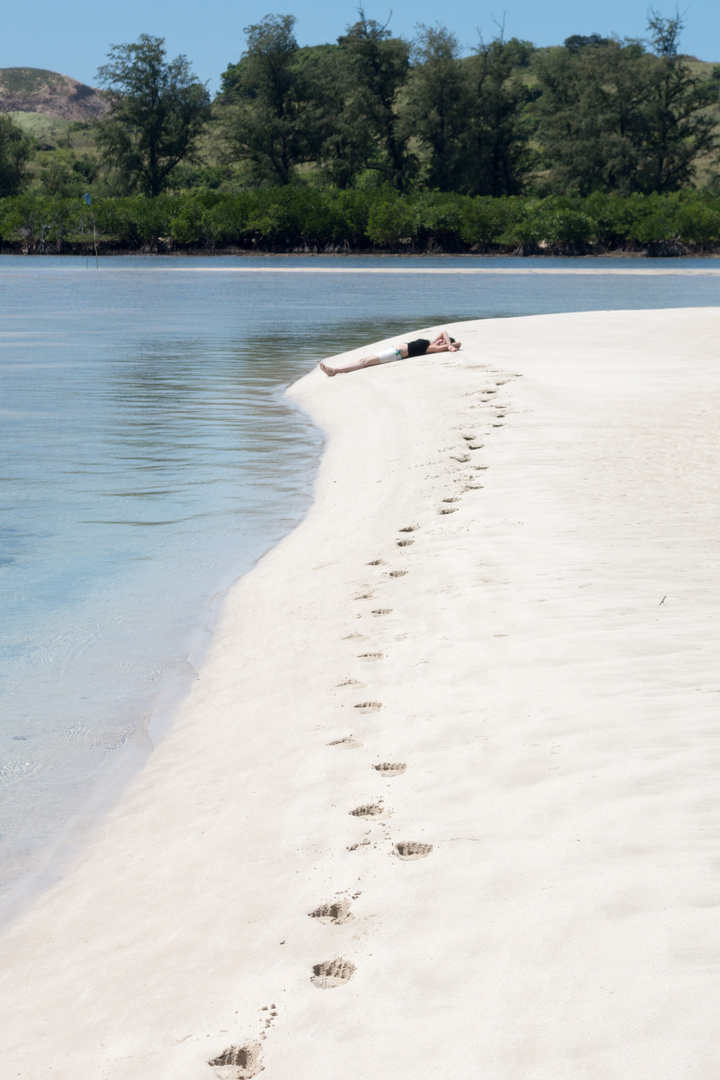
pixel 74 38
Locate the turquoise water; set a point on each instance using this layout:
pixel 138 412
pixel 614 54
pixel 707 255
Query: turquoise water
pixel 148 458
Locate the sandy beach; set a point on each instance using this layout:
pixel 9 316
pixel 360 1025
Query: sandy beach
pixel 443 800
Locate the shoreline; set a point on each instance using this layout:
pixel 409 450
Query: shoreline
pixel 280 263
pixel 508 651
pixel 698 252
pixel 48 864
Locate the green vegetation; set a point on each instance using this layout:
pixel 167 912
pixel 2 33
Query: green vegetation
pixel 311 219
pixel 15 150
pixel 377 143
pixel 265 123
pixel 29 80
pixel 613 117
pixel 43 128
pixel 158 111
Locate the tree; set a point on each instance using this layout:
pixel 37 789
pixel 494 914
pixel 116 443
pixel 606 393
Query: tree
pixel 342 148
pixel 269 118
pixel 615 116
pixel 576 42
pixel 496 146
pixel 435 106
pixel 15 150
pixel 677 128
pixel 376 66
pixel 592 94
pixel 67 174
pixel 158 111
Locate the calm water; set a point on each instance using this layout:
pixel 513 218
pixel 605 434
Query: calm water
pixel 148 458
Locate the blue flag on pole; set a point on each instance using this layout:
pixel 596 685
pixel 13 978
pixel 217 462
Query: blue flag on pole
pixel 86 198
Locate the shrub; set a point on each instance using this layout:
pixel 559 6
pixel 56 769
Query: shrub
pixel 698 223
pixel 297 216
pixel 391 222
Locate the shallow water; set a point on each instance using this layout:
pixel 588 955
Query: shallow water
pixel 148 458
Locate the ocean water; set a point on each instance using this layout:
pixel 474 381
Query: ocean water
pixel 148 459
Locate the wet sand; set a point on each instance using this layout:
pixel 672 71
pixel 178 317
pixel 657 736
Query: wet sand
pixel 443 801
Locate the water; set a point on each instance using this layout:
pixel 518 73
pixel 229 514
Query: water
pixel 148 458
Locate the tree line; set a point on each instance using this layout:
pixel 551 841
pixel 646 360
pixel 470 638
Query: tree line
pixel 303 218
pixel 374 111
pixel 597 114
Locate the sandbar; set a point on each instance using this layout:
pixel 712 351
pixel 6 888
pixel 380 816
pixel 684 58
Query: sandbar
pixel 443 800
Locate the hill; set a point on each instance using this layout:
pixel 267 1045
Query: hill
pixel 33 90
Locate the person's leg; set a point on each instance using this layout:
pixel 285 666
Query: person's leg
pixel 367 361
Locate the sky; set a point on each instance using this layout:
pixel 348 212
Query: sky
pixel 74 39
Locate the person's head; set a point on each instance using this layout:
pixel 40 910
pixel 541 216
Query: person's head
pixel 452 340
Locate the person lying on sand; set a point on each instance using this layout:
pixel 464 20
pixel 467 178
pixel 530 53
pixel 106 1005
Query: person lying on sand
pixel 422 346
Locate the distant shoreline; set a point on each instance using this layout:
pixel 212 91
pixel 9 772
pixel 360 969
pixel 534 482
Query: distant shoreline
pixel 697 252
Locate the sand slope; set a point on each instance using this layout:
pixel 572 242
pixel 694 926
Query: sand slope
pixel 543 661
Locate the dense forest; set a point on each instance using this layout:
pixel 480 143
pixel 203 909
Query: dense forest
pixel 376 142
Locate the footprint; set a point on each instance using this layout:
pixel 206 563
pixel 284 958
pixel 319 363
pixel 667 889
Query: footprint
pixel 337 912
pixel 347 740
pixel 239 1062
pixel 371 656
pixel 408 849
pixel 361 843
pixel 369 706
pixel 377 562
pixel 368 810
pixel 354 637
pixel 350 682
pixel 474 487
pixel 388 768
pixel 332 973
pixel 409 528
pixel 453 498
pixel 364 596
pixel 469 438
pixel 448 510
pixel 475 446
pixel 272 1014
pixel 462 458
pixel 405 543
pixel 397 573
pixel 382 611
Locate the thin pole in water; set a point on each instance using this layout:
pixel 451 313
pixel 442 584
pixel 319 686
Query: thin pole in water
pixel 87 199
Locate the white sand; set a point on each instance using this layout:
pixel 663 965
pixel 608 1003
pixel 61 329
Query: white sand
pixel 549 677
pixel 623 270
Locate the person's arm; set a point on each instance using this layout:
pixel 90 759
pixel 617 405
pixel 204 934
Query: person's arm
pixel 442 343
